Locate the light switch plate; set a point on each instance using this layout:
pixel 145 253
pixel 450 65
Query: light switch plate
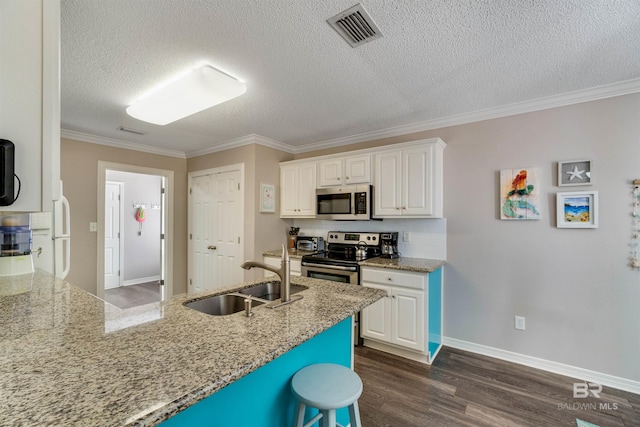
pixel 93 226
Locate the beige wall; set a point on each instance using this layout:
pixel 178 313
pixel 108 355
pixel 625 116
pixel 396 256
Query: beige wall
pixel 79 173
pixel 263 231
pixel 574 286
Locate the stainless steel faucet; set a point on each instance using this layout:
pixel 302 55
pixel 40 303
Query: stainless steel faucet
pixel 282 272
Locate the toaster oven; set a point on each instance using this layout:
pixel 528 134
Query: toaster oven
pixel 309 243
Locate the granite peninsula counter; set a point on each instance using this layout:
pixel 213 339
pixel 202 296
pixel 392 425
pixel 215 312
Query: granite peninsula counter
pixel 69 358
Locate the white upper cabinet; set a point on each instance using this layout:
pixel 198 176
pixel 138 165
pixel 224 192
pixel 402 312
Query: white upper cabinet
pixel 408 181
pixel 30 96
pixel 298 190
pixel 344 171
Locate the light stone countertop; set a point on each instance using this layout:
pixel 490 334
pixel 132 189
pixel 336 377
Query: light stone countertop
pixel 293 253
pixel 69 358
pixel 419 265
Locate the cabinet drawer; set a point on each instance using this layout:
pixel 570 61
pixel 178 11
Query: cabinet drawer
pixel 394 278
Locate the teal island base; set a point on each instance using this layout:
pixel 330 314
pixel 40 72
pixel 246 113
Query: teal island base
pixel 263 398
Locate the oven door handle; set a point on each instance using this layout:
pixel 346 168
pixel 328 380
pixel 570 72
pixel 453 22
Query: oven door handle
pixel 330 267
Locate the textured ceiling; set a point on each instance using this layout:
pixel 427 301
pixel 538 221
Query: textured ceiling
pixel 438 58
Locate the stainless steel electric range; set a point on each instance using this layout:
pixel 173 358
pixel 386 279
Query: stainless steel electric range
pixel 339 262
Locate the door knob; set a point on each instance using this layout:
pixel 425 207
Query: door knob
pixel 213 248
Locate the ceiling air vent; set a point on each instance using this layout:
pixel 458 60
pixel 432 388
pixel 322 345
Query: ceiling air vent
pixel 355 26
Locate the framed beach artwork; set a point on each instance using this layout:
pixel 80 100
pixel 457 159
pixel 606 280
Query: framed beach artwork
pixel 519 198
pixel 574 172
pixel 267 198
pixel 578 209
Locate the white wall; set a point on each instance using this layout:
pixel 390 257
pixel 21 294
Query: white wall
pixel 574 286
pixel 141 252
pixel 580 298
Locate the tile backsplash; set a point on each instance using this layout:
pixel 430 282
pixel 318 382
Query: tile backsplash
pixel 428 237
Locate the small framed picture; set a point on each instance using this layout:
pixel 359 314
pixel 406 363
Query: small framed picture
pixel 578 209
pixel 575 172
pixel 267 198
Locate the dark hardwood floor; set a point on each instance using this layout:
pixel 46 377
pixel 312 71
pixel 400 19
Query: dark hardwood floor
pixel 467 389
pixel 134 295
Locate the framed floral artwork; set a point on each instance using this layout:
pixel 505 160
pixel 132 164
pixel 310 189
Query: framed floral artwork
pixel 267 198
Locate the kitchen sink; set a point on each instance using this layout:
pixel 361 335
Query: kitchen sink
pixel 269 291
pixel 233 302
pixel 221 305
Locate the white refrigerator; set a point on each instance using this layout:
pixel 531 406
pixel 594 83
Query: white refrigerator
pixel 51 238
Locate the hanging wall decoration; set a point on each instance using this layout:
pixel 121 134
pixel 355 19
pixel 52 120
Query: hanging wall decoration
pixel 575 172
pixel 267 198
pixel 577 209
pixel 519 194
pixel 635 236
pixel 140 217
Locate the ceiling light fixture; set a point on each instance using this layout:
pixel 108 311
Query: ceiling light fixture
pixel 198 90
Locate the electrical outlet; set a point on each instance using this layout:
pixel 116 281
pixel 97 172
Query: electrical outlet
pixel 519 323
pixel 406 236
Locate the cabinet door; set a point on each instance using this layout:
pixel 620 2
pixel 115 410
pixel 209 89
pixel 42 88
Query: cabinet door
pixel 407 322
pixel 330 173
pixel 357 169
pixel 387 185
pixel 376 318
pixel 417 181
pixel 306 194
pixel 288 190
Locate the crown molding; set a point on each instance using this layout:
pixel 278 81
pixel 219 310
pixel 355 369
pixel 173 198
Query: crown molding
pixel 585 95
pixel 244 140
pixel 84 137
pixel 576 97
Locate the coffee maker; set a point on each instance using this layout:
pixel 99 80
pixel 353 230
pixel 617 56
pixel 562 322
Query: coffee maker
pixel 389 245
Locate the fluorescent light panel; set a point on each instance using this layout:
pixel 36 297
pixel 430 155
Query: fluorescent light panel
pixel 202 88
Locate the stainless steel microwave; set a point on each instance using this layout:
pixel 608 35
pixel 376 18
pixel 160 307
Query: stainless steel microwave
pixel 344 203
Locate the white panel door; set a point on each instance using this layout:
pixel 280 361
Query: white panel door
pixel 357 169
pixel 408 318
pixel 216 223
pixel 330 173
pixel 376 318
pixel 387 185
pixel 226 251
pixel 112 277
pixel 201 234
pixel 288 190
pixel 417 183
pixel 307 189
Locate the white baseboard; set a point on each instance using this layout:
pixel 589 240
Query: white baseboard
pixel 546 365
pixel 140 280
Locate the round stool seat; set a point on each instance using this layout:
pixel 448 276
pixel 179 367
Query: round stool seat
pixel 326 386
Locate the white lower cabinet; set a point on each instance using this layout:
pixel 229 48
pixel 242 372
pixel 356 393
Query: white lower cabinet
pixel 295 266
pixel 405 322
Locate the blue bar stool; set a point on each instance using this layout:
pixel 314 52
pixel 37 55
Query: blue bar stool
pixel 327 387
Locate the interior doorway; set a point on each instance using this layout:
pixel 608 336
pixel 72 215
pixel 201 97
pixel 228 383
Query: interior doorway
pixel 134 234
